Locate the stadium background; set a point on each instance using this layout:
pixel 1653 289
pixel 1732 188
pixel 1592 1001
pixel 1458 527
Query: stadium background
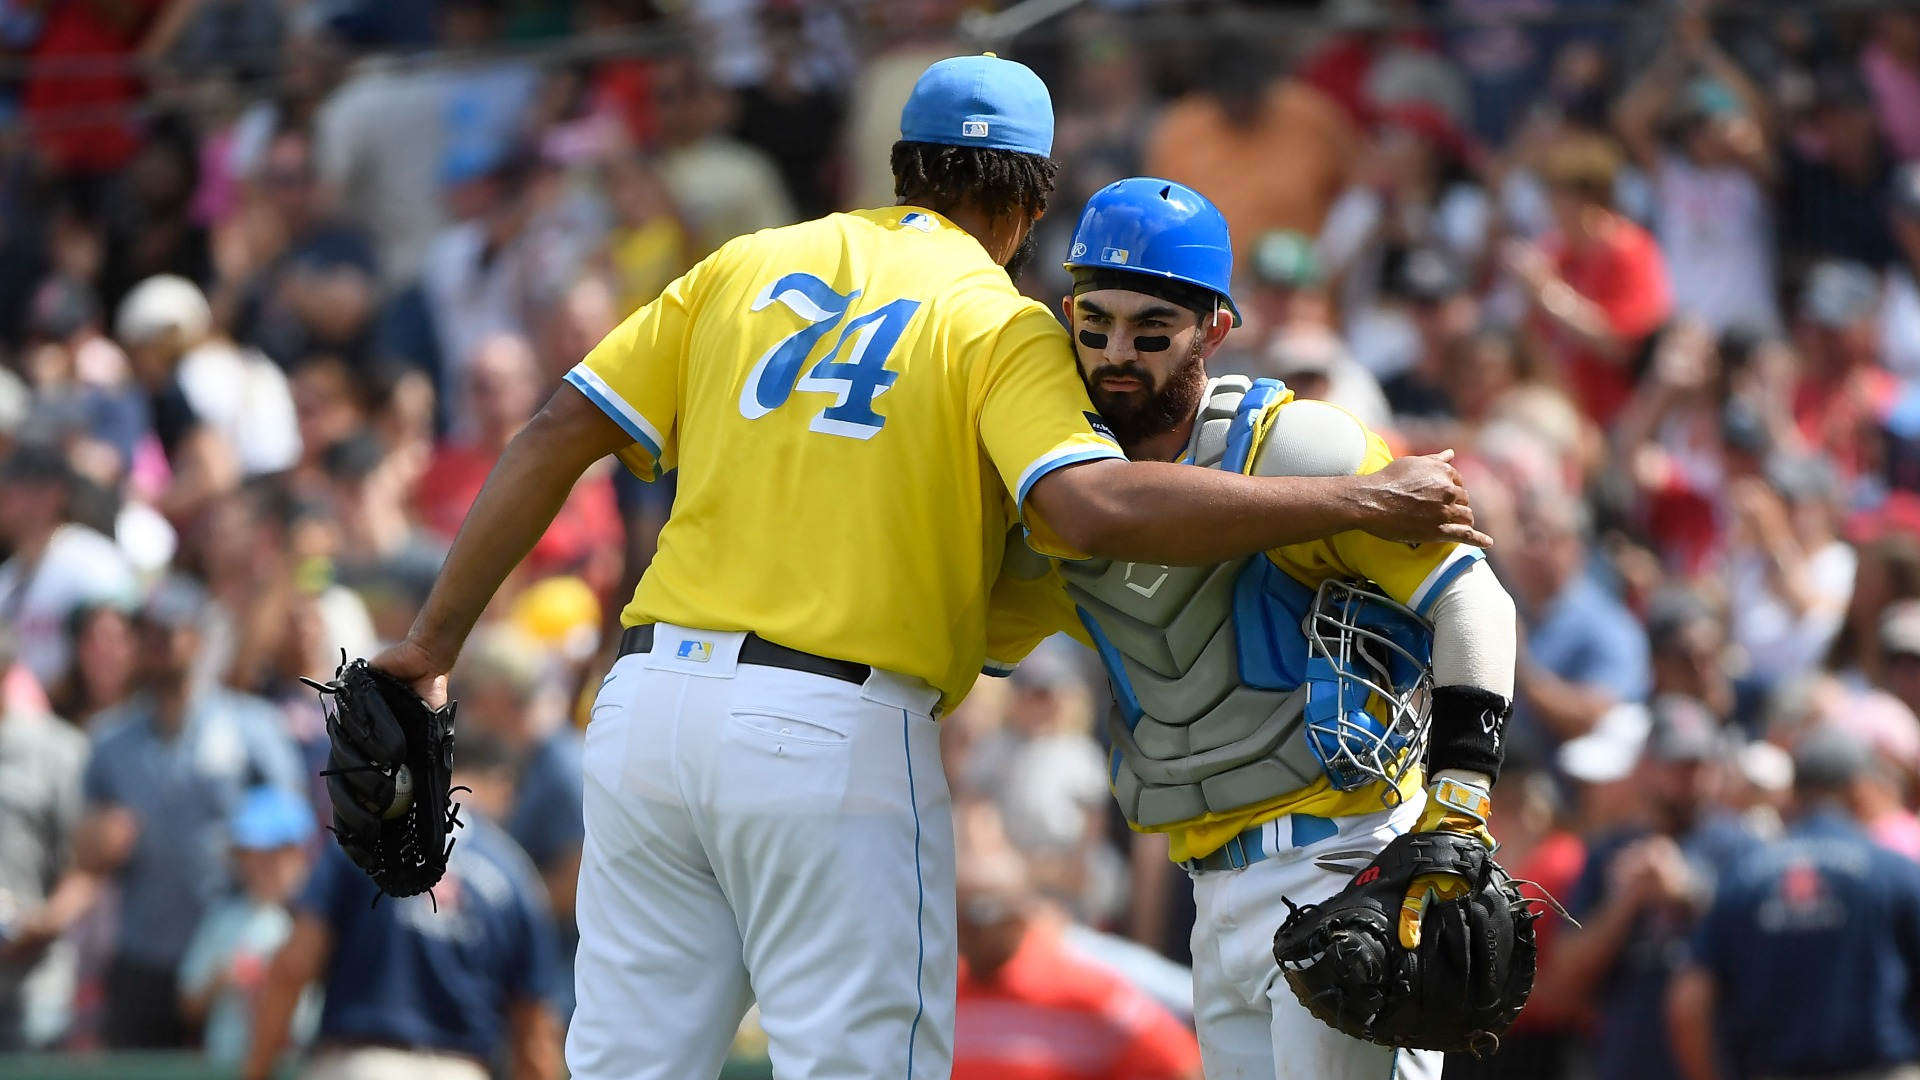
pixel 401 220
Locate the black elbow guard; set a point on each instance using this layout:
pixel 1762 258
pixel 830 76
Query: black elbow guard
pixel 1469 728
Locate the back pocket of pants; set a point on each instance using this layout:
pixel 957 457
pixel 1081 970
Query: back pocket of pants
pixel 781 727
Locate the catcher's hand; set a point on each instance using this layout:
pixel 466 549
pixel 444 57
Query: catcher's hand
pixel 1453 806
pixel 389 777
pixel 1430 946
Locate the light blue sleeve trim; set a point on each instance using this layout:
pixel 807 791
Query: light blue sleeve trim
pixel 1059 460
pixel 1443 576
pixel 621 413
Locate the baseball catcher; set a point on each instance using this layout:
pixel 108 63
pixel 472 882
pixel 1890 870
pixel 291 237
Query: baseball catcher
pixel 1315 728
pixel 389 777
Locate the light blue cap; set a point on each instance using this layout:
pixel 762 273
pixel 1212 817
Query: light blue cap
pixel 271 817
pixel 980 101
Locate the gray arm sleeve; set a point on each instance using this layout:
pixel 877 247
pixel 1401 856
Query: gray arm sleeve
pixel 1474 633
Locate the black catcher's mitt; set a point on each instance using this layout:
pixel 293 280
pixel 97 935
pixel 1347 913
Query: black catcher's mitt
pixel 1458 990
pixel 390 777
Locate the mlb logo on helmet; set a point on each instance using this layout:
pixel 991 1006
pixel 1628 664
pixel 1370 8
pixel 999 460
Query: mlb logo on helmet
pixel 1114 255
pixel 697 651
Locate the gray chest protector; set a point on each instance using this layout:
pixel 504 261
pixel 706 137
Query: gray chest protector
pixel 1207 662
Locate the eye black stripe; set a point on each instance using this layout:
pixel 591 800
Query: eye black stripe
pixel 1092 340
pixel 1156 343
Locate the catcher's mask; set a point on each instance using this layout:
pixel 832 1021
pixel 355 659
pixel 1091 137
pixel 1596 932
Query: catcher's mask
pixel 1369 686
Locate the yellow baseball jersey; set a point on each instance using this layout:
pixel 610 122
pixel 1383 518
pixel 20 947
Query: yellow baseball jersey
pixel 1024 612
pixel 858 406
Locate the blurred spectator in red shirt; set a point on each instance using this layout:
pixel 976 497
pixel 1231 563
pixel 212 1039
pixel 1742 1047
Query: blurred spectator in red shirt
pixel 1029 1009
pixel 79 101
pixel 1367 62
pixel 1599 283
pixel 1843 393
pixel 503 392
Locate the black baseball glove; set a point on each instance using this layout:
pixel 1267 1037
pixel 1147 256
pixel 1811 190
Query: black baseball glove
pixel 1458 986
pixel 390 777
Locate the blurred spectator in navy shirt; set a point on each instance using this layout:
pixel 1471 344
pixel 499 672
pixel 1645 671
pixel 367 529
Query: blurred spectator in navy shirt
pixel 1805 964
pixel 313 286
pixel 1834 193
pixel 503 697
pixel 1643 891
pixel 428 987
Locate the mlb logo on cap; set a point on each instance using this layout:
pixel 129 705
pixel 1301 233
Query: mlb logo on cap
pixel 1114 255
pixel 697 651
pixel 974 129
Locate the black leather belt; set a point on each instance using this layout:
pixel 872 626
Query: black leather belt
pixel 760 651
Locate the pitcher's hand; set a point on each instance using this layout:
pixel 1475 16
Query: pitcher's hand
pixel 1421 499
pixel 413 662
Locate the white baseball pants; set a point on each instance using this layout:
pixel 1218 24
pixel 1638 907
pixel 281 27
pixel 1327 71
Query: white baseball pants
pixel 759 833
pixel 1250 1024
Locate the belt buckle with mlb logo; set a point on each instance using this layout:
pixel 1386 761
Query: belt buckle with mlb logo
pixel 698 652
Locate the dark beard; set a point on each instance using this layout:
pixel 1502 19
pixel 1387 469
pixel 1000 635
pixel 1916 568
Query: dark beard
pixel 1022 256
pixel 1135 418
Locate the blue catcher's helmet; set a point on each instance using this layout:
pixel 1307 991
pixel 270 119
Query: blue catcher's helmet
pixel 1369 686
pixel 1144 225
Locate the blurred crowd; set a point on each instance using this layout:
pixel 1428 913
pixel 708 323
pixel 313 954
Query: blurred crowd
pixel 279 279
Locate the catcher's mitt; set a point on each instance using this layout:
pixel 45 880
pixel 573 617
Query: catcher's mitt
pixel 390 777
pixel 1459 989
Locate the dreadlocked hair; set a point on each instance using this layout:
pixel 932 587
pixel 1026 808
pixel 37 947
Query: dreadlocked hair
pixel 996 182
